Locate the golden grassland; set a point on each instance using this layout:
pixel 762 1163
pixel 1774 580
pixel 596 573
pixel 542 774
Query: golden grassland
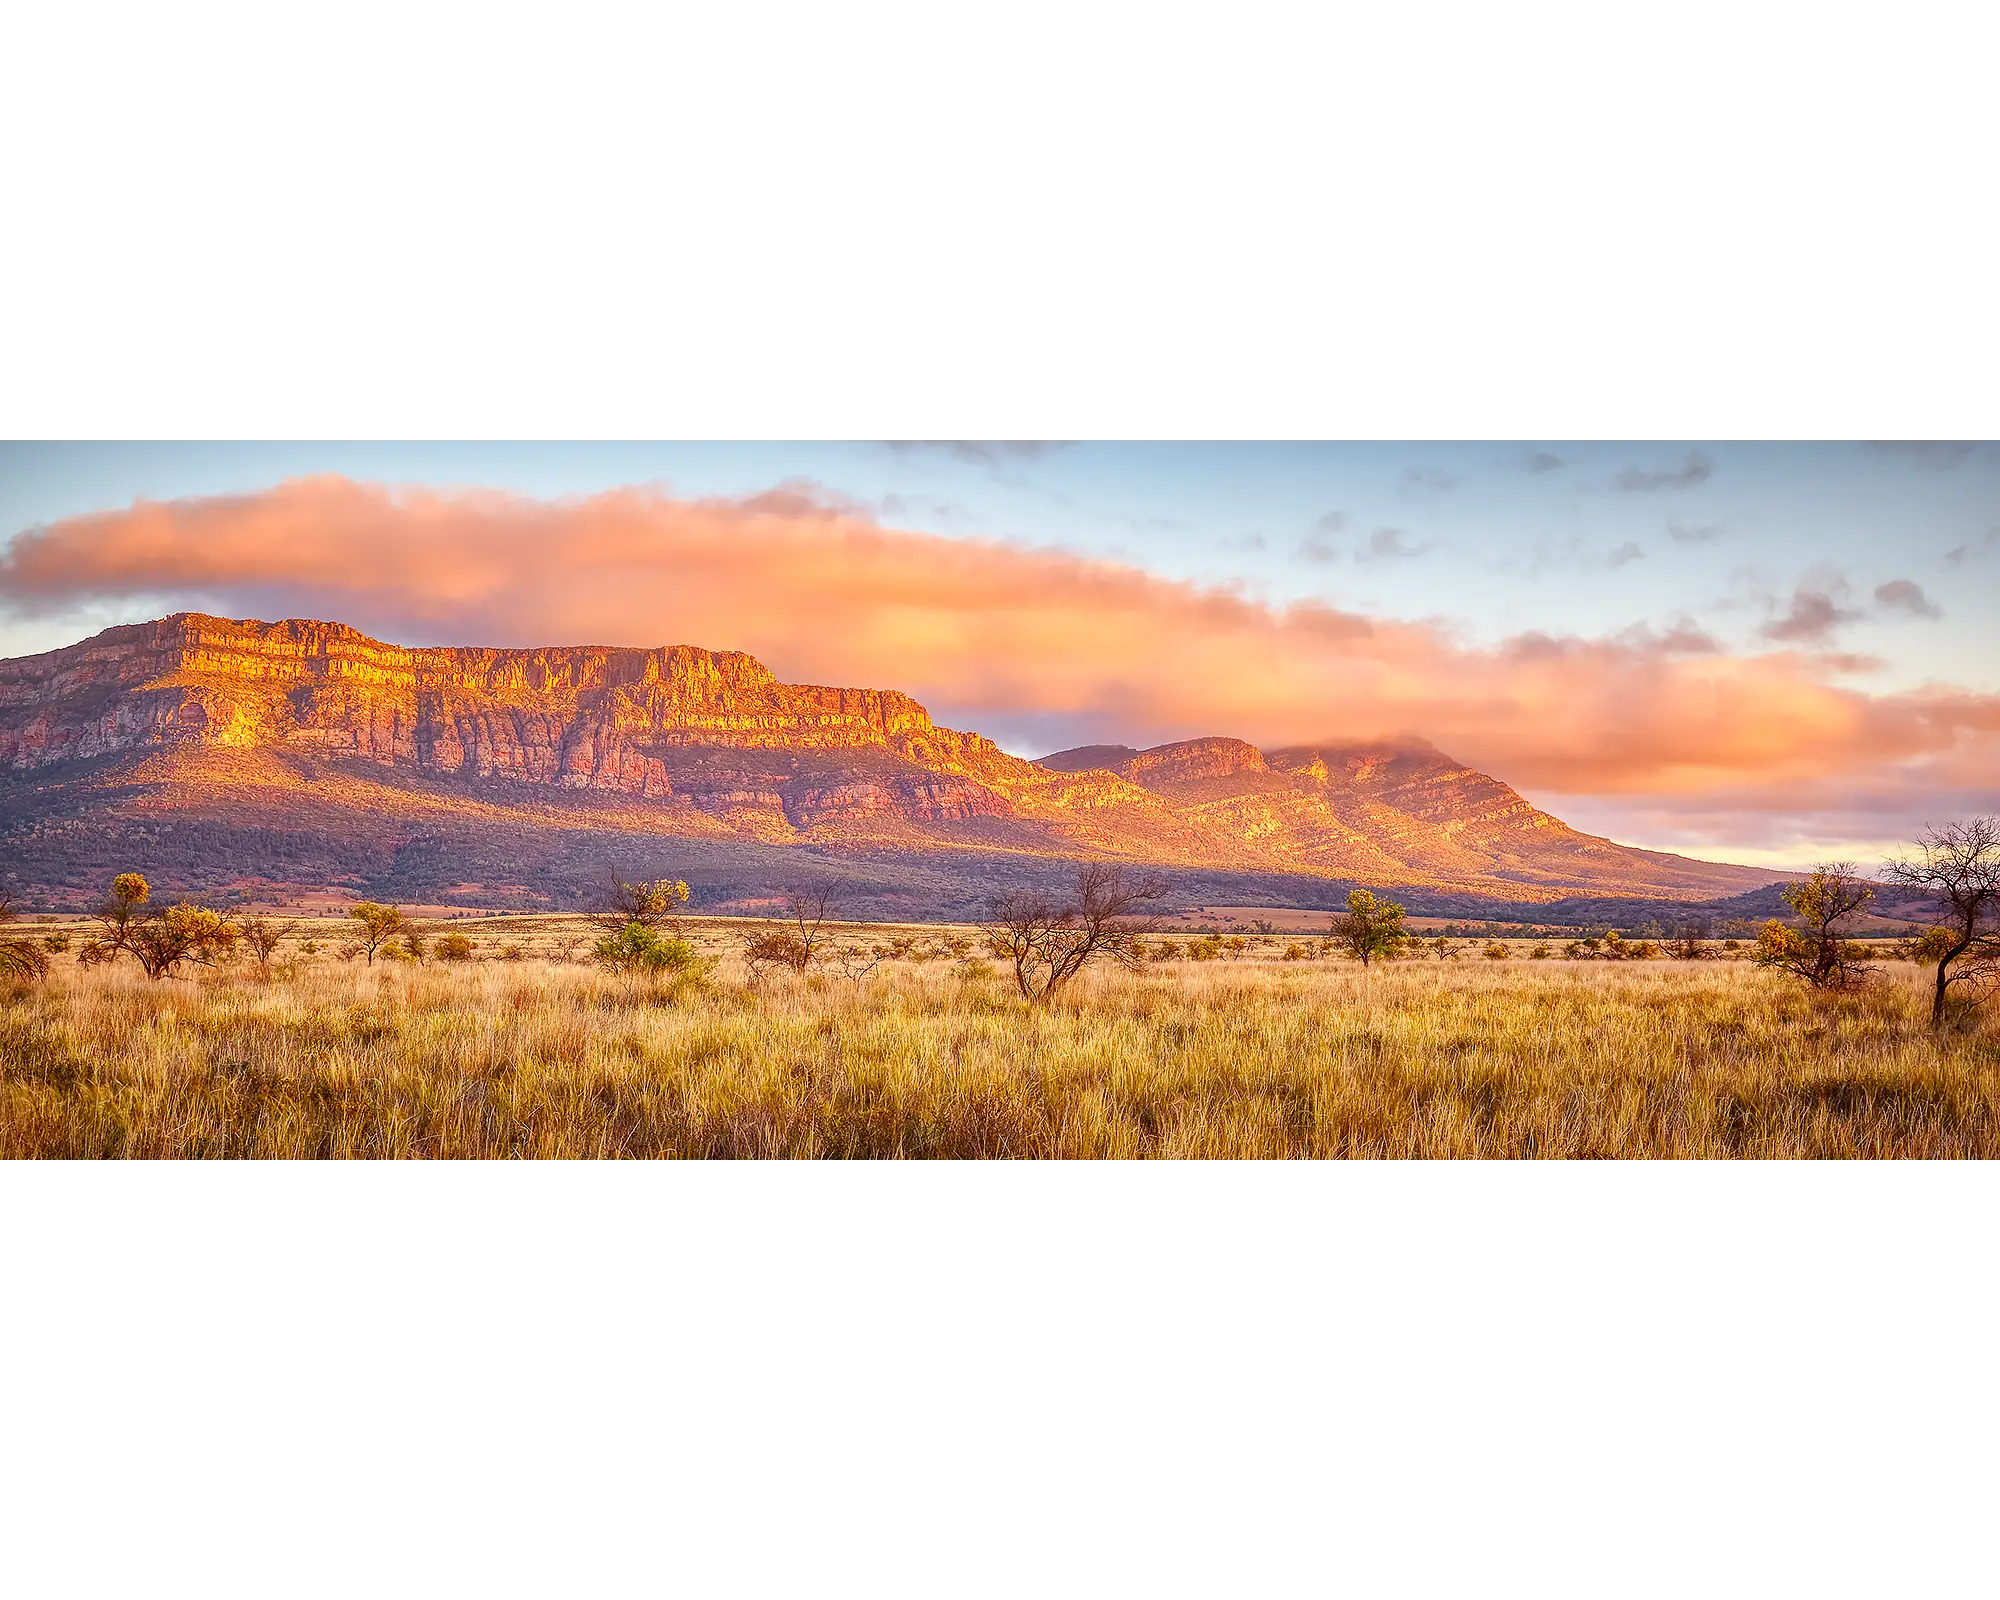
pixel 535 1057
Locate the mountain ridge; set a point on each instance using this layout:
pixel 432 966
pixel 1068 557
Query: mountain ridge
pixel 303 725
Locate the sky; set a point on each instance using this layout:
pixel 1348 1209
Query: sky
pixel 1770 653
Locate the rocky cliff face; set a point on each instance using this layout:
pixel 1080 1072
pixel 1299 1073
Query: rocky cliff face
pixel 710 744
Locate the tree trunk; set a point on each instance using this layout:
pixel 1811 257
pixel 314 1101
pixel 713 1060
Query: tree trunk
pixel 1943 975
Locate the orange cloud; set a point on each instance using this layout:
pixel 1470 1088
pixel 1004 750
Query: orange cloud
pixel 981 630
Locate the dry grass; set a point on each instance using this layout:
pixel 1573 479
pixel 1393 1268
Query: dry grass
pixel 537 1059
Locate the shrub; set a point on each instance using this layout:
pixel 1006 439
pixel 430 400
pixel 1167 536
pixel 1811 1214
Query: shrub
pixel 1207 948
pixel 640 951
pixel 1297 952
pixel 1495 951
pixel 777 947
pixel 55 943
pixel 451 947
pixel 1928 948
pixel 1540 952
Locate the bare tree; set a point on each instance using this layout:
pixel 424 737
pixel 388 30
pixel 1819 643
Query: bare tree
pixel 810 907
pixel 20 958
pixel 1051 938
pixel 1689 941
pixel 1821 953
pixel 1956 868
pixel 263 936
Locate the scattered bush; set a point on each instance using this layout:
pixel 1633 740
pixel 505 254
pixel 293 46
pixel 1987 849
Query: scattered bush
pixel 1495 951
pixel 638 950
pixel 449 947
pixel 777 947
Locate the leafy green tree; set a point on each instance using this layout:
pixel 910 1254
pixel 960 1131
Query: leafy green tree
pixel 1371 928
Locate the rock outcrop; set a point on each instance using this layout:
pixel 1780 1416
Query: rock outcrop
pixel 711 744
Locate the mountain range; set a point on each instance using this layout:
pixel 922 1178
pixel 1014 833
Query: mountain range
pixel 261 757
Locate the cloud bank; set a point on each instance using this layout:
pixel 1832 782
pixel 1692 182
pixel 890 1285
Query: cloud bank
pixel 1024 641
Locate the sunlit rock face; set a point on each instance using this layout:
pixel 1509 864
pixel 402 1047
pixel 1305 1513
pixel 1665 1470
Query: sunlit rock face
pixel 710 744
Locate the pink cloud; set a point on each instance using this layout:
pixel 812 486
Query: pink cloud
pixel 977 629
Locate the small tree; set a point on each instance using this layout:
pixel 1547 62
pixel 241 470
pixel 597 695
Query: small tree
pixel 1820 952
pixel 120 912
pixel 453 947
pixel 1051 938
pixel 1690 939
pixel 811 907
pixel 379 924
pixel 653 905
pixel 160 941
pixel 261 936
pixel 1370 928
pixel 1956 868
pixel 180 934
